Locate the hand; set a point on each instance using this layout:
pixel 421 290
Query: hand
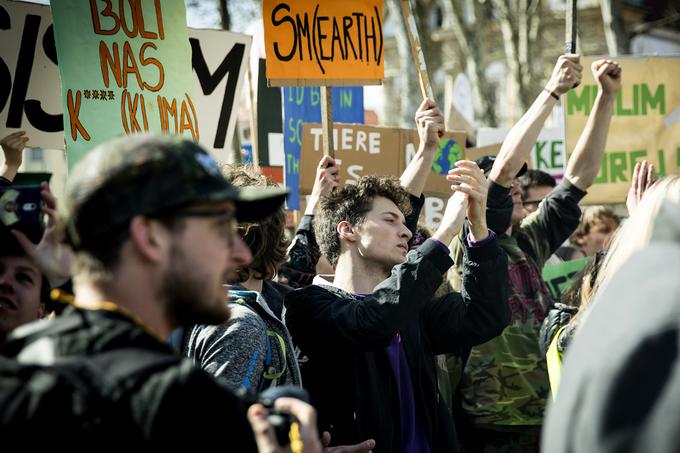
pixel 454 216
pixel 566 74
pixel 366 446
pixel 469 179
pixel 643 178
pixel 327 179
pixel 607 73
pixel 51 256
pixel 264 432
pixel 13 147
pixel 430 124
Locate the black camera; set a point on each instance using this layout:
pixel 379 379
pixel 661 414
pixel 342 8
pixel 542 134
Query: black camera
pixel 281 420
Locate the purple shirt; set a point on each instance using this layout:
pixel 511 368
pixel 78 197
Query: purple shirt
pixel 412 429
pixel 413 434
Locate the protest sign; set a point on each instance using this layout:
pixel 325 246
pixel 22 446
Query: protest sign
pixel 548 153
pixel 323 43
pixel 268 102
pixel 122 73
pixel 451 149
pixel 645 123
pixel 29 79
pixel 124 68
pixel 30 84
pixel 303 105
pixel 361 150
pixel 559 277
pixel 481 151
pixel 365 150
pixel 219 62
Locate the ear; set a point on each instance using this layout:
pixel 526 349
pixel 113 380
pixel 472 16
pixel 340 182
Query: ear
pixel 41 311
pixel 346 231
pixel 147 238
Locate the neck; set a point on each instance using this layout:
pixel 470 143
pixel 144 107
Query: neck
pixel 358 276
pixel 253 284
pixel 136 299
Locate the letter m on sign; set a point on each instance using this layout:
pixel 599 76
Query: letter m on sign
pixel 230 68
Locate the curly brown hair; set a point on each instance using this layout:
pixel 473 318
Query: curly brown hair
pixel 351 204
pixel 265 239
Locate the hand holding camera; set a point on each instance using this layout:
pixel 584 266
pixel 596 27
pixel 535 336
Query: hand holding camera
pixel 281 418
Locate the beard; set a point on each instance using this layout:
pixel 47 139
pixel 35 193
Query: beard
pixel 187 298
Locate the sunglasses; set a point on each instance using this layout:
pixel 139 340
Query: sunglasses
pixel 226 214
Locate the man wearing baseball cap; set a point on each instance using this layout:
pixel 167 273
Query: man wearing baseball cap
pixel 152 223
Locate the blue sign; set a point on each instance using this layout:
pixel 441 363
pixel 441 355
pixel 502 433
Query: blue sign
pixel 303 105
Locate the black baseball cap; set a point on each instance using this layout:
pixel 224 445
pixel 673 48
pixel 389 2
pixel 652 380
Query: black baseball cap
pixel 145 174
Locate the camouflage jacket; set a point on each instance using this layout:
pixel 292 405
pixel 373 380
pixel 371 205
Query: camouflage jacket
pixel 505 381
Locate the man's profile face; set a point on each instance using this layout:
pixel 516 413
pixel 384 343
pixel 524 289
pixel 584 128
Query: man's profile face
pixel 598 237
pixel 20 285
pixel 382 236
pixel 204 255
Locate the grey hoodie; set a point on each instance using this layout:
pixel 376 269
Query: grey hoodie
pixel 253 350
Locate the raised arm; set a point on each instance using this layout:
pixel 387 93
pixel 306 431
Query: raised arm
pixel 13 148
pixel 522 137
pixel 430 124
pixel 584 163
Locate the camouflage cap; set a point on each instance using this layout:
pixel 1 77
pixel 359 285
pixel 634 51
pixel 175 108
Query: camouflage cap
pixel 146 174
pixel 485 163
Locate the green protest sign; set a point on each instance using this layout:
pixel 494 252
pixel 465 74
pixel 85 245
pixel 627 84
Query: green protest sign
pixel 125 68
pixel 559 277
pixel 645 124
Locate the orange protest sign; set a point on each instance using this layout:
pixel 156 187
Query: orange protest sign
pixel 323 43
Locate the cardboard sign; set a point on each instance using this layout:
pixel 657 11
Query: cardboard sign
pixel 548 154
pixel 303 105
pixel 645 124
pixel 125 68
pixel 323 42
pixel 365 150
pixel 360 150
pixel 559 277
pixel 29 92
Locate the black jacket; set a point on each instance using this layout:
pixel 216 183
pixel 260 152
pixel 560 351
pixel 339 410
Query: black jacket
pixel 343 339
pixel 173 402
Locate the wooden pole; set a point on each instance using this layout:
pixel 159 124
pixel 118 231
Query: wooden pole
pixel 253 119
pixel 416 50
pixel 570 27
pixel 327 120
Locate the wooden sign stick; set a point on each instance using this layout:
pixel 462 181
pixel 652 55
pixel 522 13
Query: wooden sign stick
pixel 570 27
pixel 253 120
pixel 416 50
pixel 327 120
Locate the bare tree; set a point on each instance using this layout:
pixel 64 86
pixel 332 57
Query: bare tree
pixel 408 88
pixel 520 22
pixel 467 34
pixel 617 40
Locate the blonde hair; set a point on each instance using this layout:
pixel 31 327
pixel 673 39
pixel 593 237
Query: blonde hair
pixel 636 232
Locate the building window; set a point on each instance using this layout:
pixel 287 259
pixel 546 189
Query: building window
pixel 36 154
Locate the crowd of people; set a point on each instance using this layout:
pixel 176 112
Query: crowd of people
pixel 164 302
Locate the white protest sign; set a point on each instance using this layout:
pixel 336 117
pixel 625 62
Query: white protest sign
pixel 548 154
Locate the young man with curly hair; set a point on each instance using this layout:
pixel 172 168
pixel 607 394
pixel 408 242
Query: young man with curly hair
pixel 252 351
pixel 369 338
